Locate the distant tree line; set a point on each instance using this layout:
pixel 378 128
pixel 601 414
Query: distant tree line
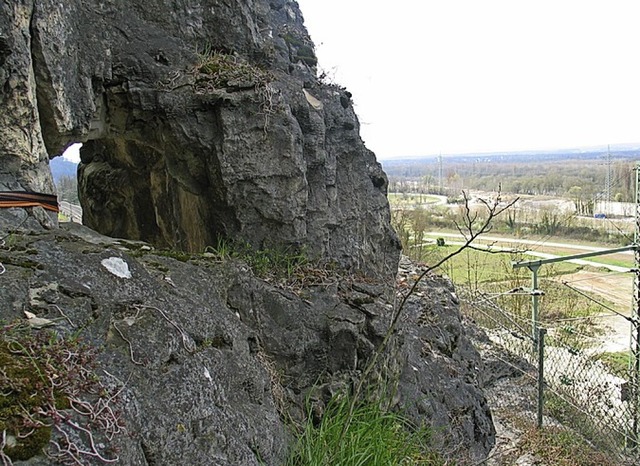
pixel 67 187
pixel 582 181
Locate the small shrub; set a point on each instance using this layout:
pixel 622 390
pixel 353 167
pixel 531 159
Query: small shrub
pixel 219 70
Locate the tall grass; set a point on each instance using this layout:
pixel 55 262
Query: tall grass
pixel 369 436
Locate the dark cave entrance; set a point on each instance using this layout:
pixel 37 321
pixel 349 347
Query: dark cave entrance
pixel 132 189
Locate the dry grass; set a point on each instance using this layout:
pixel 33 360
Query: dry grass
pixel 560 446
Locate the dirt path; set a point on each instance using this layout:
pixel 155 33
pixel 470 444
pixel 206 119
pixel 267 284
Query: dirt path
pixel 616 288
pixel 544 250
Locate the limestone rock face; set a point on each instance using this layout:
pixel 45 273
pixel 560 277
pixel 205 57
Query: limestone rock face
pixel 201 120
pixel 23 157
pixel 212 364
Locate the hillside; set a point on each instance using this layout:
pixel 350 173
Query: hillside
pixel 63 168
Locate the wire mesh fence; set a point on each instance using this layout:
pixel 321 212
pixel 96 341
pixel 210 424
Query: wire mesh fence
pixel 588 390
pixel 512 331
pixel 592 394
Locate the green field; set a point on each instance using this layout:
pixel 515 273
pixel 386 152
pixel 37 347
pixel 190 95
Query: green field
pixel 475 267
pixel 617 260
pixel 493 274
pixel 411 200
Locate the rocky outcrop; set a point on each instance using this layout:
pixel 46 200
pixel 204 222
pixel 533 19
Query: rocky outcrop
pixel 443 371
pixel 23 156
pixel 201 120
pixel 205 363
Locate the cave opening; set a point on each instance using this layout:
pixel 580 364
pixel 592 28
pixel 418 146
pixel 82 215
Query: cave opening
pixel 129 188
pixel 64 170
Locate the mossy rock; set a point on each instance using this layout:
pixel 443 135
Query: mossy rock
pixel 31 446
pixel 26 392
pixel 222 70
pixel 292 39
pixel 307 55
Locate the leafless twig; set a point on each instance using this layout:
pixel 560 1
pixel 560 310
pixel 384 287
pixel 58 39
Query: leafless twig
pixel 6 461
pixel 187 342
pixel 131 356
pixel 471 228
pixel 63 314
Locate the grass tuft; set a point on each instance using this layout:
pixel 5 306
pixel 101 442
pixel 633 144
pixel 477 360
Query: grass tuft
pixel 370 436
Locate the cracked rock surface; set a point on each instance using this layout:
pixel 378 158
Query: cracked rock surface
pixel 214 363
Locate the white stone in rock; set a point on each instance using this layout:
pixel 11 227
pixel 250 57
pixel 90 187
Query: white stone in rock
pixel 117 266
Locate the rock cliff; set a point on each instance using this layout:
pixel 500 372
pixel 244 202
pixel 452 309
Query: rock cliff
pixel 202 119
pixel 202 362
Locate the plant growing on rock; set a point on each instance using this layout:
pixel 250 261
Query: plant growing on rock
pixel 359 427
pixel 52 401
pixel 222 70
pixel 374 436
pixel 216 71
pixel 470 227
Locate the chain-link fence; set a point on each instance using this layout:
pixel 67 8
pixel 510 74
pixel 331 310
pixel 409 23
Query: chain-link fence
pixel 590 391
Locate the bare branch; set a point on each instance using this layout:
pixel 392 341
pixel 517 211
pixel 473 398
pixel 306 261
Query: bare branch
pixel 488 249
pixel 494 210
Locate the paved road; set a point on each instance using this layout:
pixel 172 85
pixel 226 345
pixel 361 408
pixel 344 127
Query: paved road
pixel 441 200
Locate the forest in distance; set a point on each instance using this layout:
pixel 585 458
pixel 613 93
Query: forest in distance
pixel 568 174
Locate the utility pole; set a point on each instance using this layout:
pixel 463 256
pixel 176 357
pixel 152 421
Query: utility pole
pixel 634 356
pixel 607 184
pixel 440 173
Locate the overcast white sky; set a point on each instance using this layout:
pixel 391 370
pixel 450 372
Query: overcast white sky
pixel 454 76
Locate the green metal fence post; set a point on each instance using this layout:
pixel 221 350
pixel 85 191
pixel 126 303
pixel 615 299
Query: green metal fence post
pixel 535 303
pixel 634 359
pixel 540 337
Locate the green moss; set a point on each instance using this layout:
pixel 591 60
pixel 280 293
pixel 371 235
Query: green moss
pixel 41 372
pixel 20 262
pixel 217 341
pixel 177 255
pixel 24 390
pixel 292 39
pixel 307 55
pixel 173 254
pixel 158 266
pixel 31 446
pixel 303 51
